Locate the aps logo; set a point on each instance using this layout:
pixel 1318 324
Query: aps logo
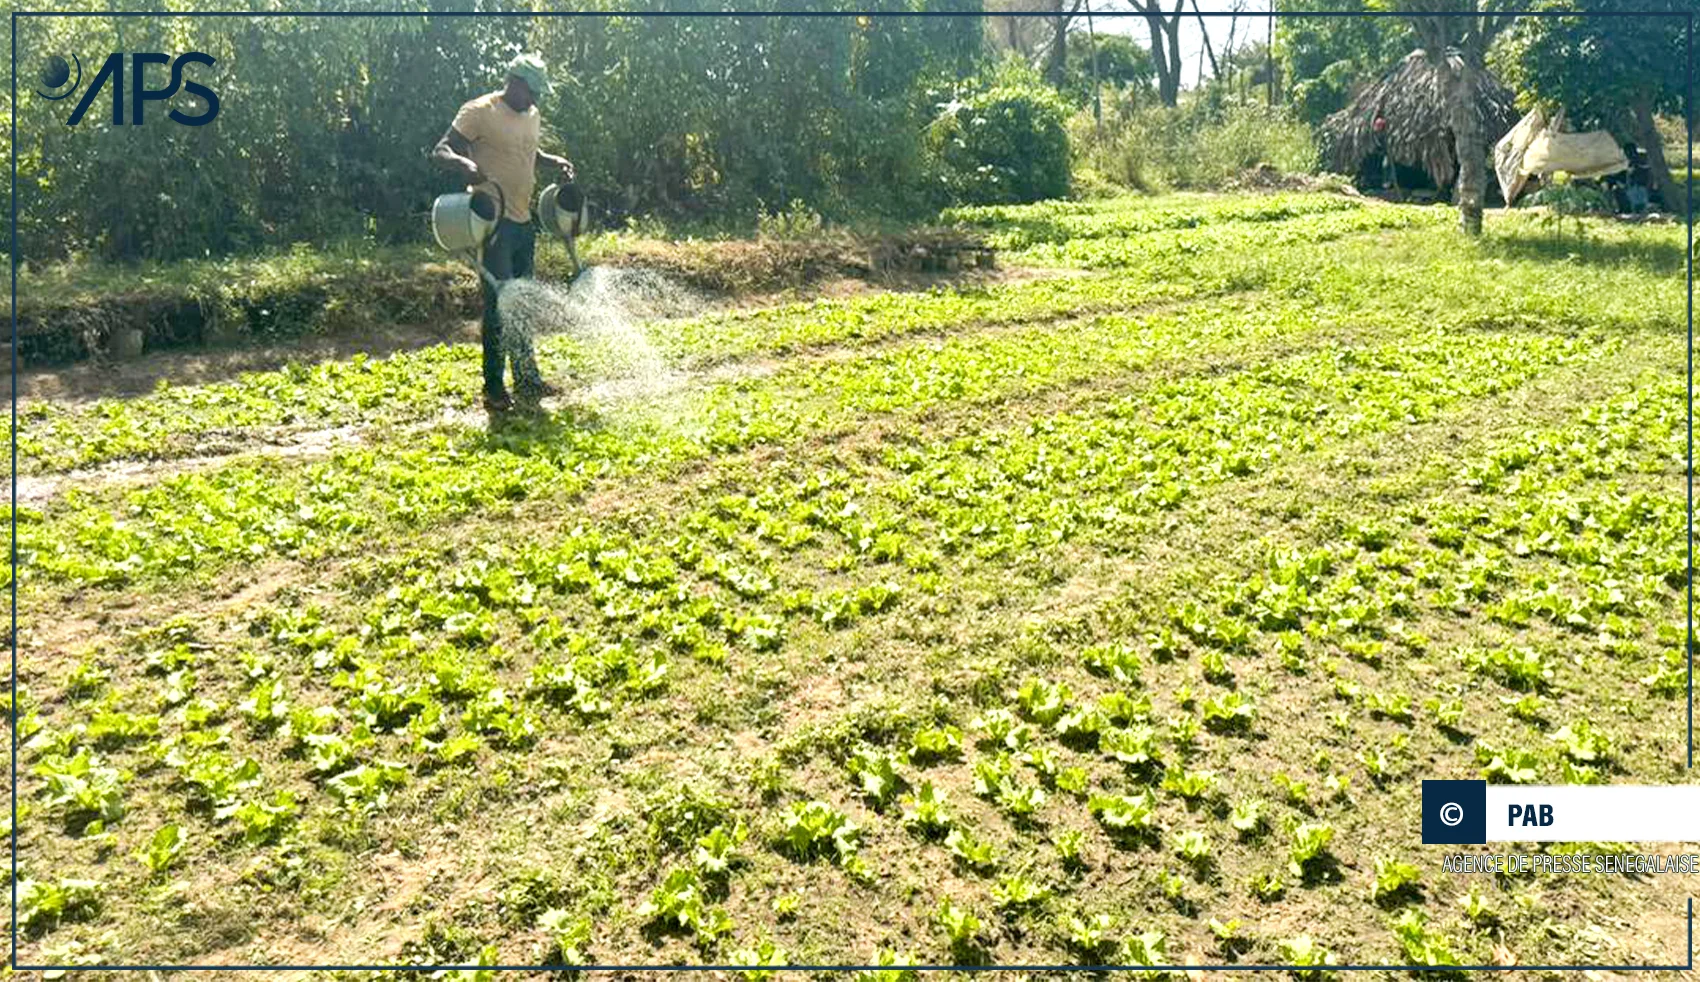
pixel 59 82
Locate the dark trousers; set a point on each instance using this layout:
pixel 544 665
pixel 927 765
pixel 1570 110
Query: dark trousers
pixel 507 255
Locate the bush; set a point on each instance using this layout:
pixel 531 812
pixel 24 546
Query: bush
pixel 1157 148
pixel 1006 145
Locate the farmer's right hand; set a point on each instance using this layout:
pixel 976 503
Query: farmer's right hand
pixel 474 174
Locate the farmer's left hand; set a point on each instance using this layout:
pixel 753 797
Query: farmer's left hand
pixel 567 171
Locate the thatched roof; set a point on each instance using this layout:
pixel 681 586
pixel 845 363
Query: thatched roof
pixel 1417 133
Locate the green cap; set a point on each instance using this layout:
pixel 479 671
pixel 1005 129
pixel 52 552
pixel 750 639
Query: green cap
pixel 531 70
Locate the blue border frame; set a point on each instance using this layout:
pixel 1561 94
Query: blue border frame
pixel 12 954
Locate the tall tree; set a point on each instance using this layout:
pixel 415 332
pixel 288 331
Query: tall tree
pixel 1165 45
pixel 1062 16
pixel 1463 28
pixel 1610 73
pixel 1322 58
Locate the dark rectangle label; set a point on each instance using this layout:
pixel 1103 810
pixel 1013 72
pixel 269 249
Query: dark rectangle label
pixel 1454 812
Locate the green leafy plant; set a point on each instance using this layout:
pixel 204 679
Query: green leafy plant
pixel 925 811
pixel 875 773
pixel 566 937
pixel 1310 844
pixel 1422 946
pixel 936 743
pixel 1393 877
pixel 1304 950
pixel 960 926
pixel 1090 935
pixel 1015 892
pixel 813 829
pixel 1127 815
pixel 971 851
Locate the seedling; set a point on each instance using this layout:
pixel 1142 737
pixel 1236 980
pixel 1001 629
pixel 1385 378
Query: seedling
pixel 1020 800
pixel 1015 892
pixel 1582 743
pixel 164 849
pixel 1147 948
pixel 1079 726
pixel 969 850
pixel 1136 745
pixel 1396 706
pixel 875 774
pixel 1194 847
pixel 1042 701
pixel 1267 885
pixel 1305 951
pixel 1479 907
pixel 1247 817
pixel 814 829
pixel 1132 815
pixel 960 926
pixel 1422 945
pixel 566 937
pixel 1118 662
pixel 1119 707
pixel 1073 780
pixel 1297 792
pixel 1526 707
pixel 41 904
pixel 1376 764
pixel 990 773
pixel 1069 845
pixel 1392 878
pixel 1229 711
pixel 924 810
pixel 1089 935
pixel 996 724
pixel 716 852
pixel 1189 785
pixel 1509 766
pixel 766 954
pixel 1310 843
pixel 936 743
pixel 1446 714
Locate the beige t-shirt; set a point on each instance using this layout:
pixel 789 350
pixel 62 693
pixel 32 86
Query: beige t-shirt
pixel 504 146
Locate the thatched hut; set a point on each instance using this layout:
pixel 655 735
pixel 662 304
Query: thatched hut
pixel 1417 136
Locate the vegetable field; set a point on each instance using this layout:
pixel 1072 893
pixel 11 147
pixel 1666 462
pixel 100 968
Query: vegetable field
pixel 1109 614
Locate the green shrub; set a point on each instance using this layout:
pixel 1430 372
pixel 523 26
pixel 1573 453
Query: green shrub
pixel 1157 148
pixel 1006 145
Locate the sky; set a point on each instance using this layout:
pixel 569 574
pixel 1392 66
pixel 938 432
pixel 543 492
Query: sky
pixel 1112 17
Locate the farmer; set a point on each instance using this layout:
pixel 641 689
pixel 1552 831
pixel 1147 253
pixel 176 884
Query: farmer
pixel 1389 170
pixel 492 143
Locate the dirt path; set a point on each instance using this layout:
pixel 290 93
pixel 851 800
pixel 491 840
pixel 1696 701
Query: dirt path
pixel 100 379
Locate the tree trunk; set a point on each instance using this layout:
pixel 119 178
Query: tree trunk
pixel 1471 186
pixel 1174 29
pixel 1056 63
pixel 1647 135
pixel 1168 73
pixel 1204 33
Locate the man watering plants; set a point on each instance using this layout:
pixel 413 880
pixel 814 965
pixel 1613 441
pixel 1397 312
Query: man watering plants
pixel 493 145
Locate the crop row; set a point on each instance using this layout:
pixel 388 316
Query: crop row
pixel 1177 248
pixel 1015 227
pixel 415 387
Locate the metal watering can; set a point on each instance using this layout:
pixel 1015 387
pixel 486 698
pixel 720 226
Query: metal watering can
pixel 562 209
pixel 463 221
